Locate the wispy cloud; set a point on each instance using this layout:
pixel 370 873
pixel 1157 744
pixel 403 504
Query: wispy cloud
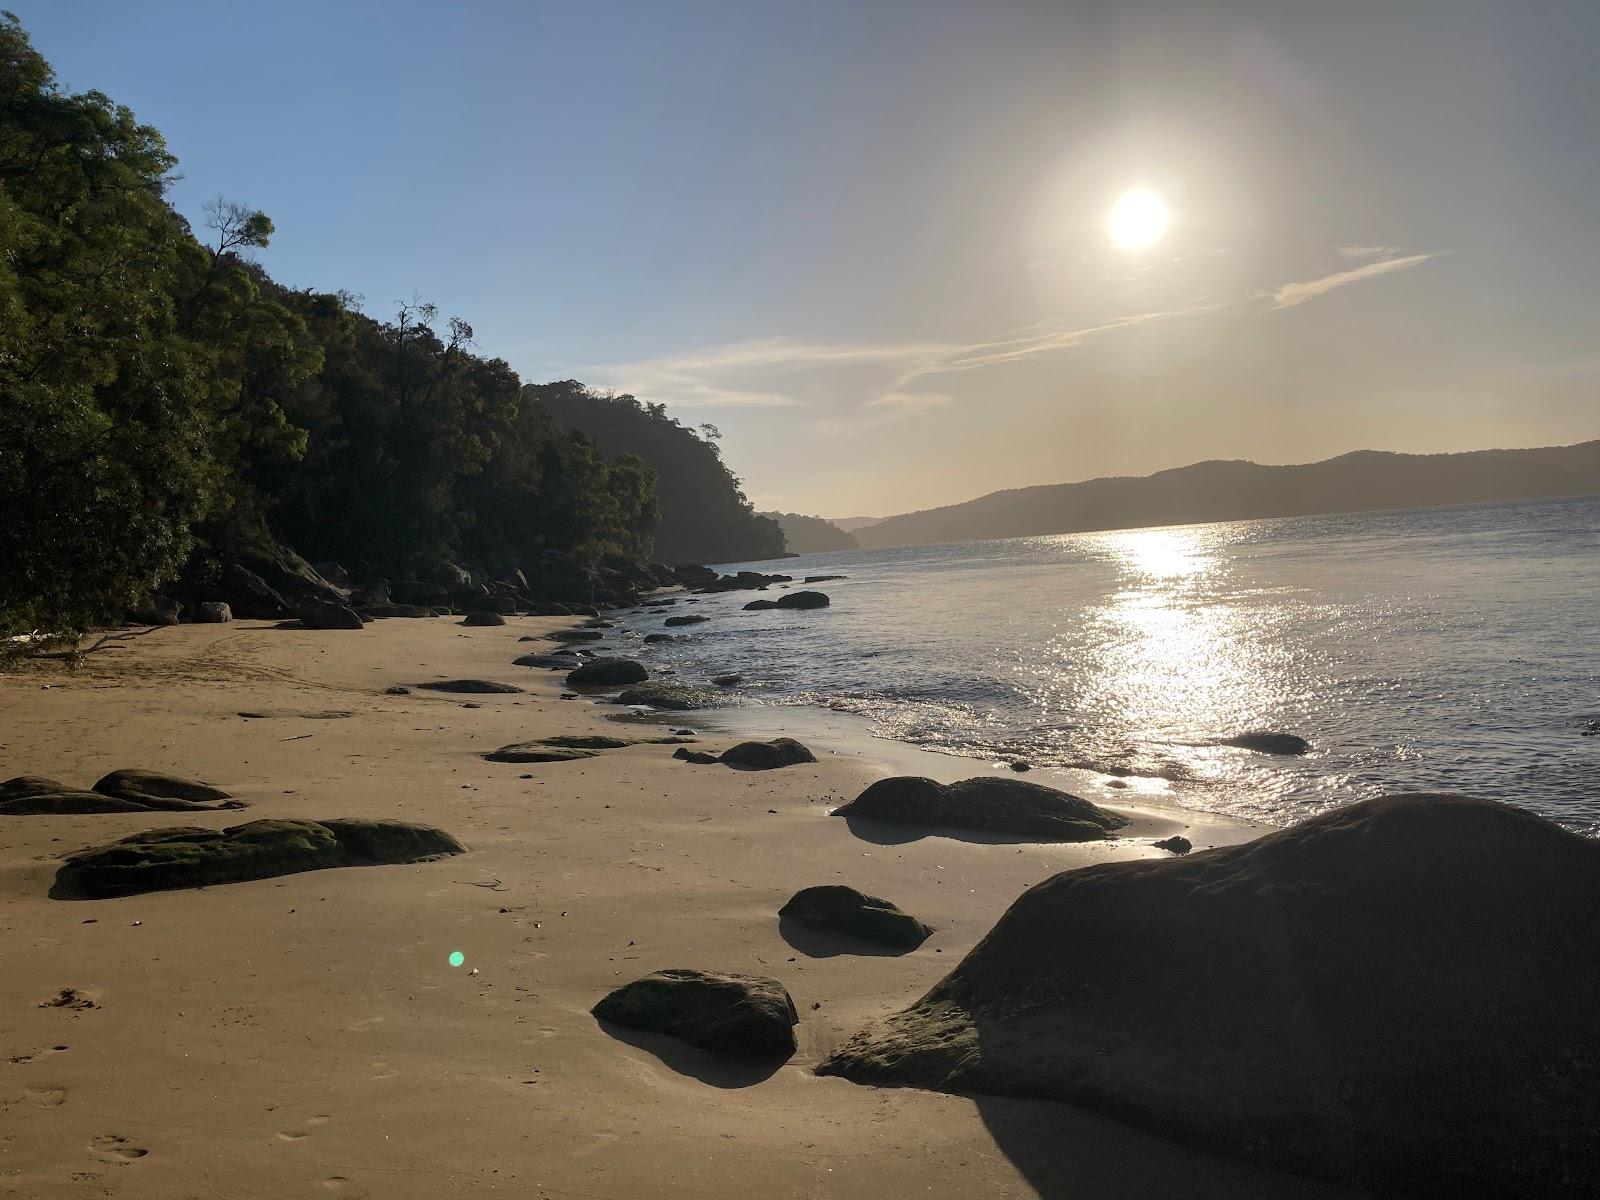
pixel 910 401
pixel 1367 251
pixel 1291 294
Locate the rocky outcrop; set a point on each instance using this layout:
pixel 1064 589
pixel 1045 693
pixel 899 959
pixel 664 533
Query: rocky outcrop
pixel 608 672
pixel 767 756
pixel 316 615
pixel 187 857
pixel 742 1016
pixel 800 599
pixel 1400 993
pixel 1266 742
pixel 659 693
pixel 212 612
pixel 834 908
pixel 989 804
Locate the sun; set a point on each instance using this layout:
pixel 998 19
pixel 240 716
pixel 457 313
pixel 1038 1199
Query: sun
pixel 1137 219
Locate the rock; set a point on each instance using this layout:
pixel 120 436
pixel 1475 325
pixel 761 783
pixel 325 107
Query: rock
pixel 1265 742
pixel 213 612
pixel 34 795
pixel 1399 993
pixel 328 616
pixel 1019 765
pixel 834 908
pixel 758 605
pixel 660 693
pixel 577 635
pixel 375 593
pixel 653 639
pixel 537 752
pixel 690 619
pixel 599 623
pixel 743 1016
pixel 483 617
pixel 766 756
pixel 381 610
pixel 397 690
pixel 250 596
pixel 555 661
pixel 470 686
pixel 822 578
pixel 698 757
pixel 1176 844
pixel 333 573
pixel 608 672
pixel 131 783
pixel 297 714
pixel 157 610
pixel 185 857
pixel 989 803
pixel 589 741
pixel 730 680
pixel 803 599
pixel 547 608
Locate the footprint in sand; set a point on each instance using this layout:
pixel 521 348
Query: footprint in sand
pixel 338 1185
pixel 115 1146
pixel 49 1097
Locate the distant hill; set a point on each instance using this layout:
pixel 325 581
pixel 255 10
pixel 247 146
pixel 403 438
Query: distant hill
pixel 812 535
pixel 851 524
pixel 1364 481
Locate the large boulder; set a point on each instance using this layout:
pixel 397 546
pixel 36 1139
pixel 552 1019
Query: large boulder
pixel 212 612
pixel 134 783
pixel 127 790
pixel 608 672
pixel 690 619
pixel 659 693
pixel 250 596
pixel 34 795
pixel 483 617
pixel 802 599
pixel 1267 742
pixel 767 756
pixel 1402 993
pixel 989 803
pixel 186 857
pixel 577 635
pixel 742 1016
pixel 317 615
pixel 835 908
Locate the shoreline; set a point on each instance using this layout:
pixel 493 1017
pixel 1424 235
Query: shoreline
pixel 305 1035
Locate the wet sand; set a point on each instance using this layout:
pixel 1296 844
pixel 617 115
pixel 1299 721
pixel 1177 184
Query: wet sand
pixel 306 1036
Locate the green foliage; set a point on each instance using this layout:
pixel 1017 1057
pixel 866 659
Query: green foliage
pixel 705 517
pixel 156 390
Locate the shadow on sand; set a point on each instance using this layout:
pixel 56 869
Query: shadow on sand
pixel 815 943
pixel 714 1069
pixel 882 833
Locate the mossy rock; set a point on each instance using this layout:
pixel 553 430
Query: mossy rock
pixel 133 783
pixel 187 856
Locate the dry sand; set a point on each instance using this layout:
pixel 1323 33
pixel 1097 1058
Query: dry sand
pixel 307 1037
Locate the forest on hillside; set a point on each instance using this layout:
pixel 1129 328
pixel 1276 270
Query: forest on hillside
pixel 168 406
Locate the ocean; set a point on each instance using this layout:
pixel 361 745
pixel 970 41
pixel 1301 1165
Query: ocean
pixel 1451 649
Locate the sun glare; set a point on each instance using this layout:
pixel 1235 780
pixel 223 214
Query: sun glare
pixel 1137 219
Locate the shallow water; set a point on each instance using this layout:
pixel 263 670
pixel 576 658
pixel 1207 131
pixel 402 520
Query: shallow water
pixel 1427 649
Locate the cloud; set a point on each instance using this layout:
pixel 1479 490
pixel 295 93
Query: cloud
pixel 1367 251
pixel 1291 294
pixel 910 401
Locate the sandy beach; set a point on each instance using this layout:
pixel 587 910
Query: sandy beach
pixel 307 1036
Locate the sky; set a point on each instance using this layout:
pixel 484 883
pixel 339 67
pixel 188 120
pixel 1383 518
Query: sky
pixel 868 241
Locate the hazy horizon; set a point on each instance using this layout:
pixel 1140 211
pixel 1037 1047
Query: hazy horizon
pixel 871 245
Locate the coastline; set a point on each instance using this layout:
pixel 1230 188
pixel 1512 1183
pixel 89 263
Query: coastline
pixel 305 1035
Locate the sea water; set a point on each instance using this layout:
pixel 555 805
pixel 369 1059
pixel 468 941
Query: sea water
pixel 1451 649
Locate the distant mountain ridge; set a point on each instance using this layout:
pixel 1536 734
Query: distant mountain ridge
pixel 811 535
pixel 1362 481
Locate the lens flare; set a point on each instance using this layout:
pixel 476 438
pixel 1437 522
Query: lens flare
pixel 457 958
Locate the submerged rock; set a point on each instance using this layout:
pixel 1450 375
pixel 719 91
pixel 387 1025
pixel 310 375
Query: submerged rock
pixel 483 617
pixel 608 672
pixel 767 756
pixel 470 686
pixel 822 578
pixel 691 619
pixel 834 908
pixel 651 639
pixel 186 857
pixel 659 693
pixel 989 803
pixel 1267 742
pixel 1399 993
pixel 802 599
pixel 758 605
pixel 743 1016
pixel 732 679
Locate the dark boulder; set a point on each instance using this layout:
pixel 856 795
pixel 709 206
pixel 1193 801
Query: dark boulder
pixel 742 1016
pixel 608 672
pixel 483 617
pixel 156 610
pixel 212 612
pixel 132 783
pixel 577 635
pixel 1265 742
pixel 537 752
pixel 698 757
pixel 1020 765
pixel 470 686
pixel 250 596
pixel 654 639
pixel 767 756
pixel 822 578
pixel 658 693
pixel 1400 993
pixel 315 615
pixel 34 795
pixel 1176 844
pixel 733 679
pixel 989 803
pixel 333 573
pixel 549 608
pixel 834 908
pixel 803 599
pixel 691 619
pixel 186 857
pixel 759 605
pixel 555 661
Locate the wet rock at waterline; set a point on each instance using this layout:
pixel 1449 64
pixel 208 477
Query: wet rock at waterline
pixel 1400 993
pixel 187 857
pixel 1267 742
pixel 577 635
pixel 608 672
pixel 470 686
pixel 692 619
pixel 1176 844
pixel 835 908
pixel 741 1016
pixel 801 599
pixel 767 756
pixel 990 804
pixel 674 696
pixel 652 639
pixel 732 679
